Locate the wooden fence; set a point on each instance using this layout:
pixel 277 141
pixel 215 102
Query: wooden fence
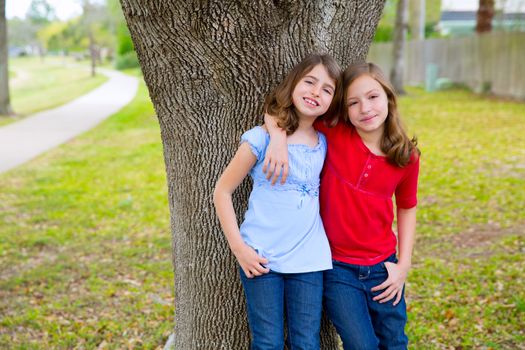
pixel 493 62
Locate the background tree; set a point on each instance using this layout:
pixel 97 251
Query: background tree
pixel 51 36
pixel 91 13
pixel 484 16
pixel 20 33
pixel 208 66
pixel 429 15
pixel 5 103
pixel 417 19
pixel 72 36
pixel 39 14
pixel 65 37
pixel 400 34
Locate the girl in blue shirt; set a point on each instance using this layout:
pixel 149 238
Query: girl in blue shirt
pixel 281 245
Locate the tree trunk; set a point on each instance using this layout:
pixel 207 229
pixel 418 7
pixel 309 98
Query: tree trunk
pixel 484 16
pixel 88 17
pixel 400 34
pixel 417 19
pixel 92 51
pixel 5 103
pixel 208 66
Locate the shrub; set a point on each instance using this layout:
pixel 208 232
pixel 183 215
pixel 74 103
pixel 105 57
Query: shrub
pixel 127 60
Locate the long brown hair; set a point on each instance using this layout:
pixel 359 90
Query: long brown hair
pixel 279 102
pixel 395 143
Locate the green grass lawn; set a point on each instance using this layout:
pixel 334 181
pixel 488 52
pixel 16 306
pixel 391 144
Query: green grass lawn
pixel 85 244
pixel 467 287
pixel 85 241
pixel 36 85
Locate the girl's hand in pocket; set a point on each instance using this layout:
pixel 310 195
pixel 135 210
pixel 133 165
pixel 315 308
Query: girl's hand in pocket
pixel 251 262
pixel 393 286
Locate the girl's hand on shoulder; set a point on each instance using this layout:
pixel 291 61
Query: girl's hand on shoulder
pixel 275 162
pixel 276 157
pixel 251 262
pixel 393 286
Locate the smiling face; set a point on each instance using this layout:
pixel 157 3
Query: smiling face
pixel 367 105
pixel 313 93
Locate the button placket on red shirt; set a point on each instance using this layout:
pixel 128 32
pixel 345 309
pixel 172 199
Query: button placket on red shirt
pixel 365 173
pixel 368 167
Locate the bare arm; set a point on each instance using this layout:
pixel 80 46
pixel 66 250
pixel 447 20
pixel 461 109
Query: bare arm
pixel 406 226
pixel 276 157
pixel 397 273
pixel 231 178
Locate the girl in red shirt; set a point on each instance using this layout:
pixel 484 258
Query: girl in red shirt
pixel 370 159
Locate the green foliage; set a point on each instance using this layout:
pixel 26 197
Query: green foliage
pixel 124 42
pixel 126 56
pixel 73 35
pixel 385 29
pixel 96 20
pixel 73 38
pixel 39 15
pixel 433 11
pixel 52 36
pixel 384 34
pixel 127 60
pixel 104 21
pixel 40 12
pixel 431 33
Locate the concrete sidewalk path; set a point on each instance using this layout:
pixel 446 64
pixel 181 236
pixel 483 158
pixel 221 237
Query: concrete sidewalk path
pixel 26 139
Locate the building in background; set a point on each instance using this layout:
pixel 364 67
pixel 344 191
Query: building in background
pixel 458 18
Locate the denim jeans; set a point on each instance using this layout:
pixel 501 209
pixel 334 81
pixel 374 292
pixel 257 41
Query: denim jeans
pixel 270 296
pixel 361 322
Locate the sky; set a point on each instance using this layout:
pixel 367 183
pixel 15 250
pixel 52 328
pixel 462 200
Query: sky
pixel 472 5
pixel 64 9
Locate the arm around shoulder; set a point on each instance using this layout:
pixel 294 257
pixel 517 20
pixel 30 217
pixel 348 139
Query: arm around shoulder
pixel 276 157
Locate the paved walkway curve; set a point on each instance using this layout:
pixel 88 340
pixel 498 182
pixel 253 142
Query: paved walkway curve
pixel 22 141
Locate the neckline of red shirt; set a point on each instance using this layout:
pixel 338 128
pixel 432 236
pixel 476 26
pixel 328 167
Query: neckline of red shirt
pixel 362 145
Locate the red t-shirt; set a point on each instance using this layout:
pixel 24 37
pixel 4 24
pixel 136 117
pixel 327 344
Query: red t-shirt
pixel 356 197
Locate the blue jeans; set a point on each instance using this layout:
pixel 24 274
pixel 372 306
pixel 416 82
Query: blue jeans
pixel 270 296
pixel 361 322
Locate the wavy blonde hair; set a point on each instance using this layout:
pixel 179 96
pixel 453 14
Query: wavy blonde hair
pixel 279 102
pixel 395 143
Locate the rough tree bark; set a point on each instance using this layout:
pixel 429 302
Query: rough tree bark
pixel 5 102
pixel 484 16
pixel 208 66
pixel 400 34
